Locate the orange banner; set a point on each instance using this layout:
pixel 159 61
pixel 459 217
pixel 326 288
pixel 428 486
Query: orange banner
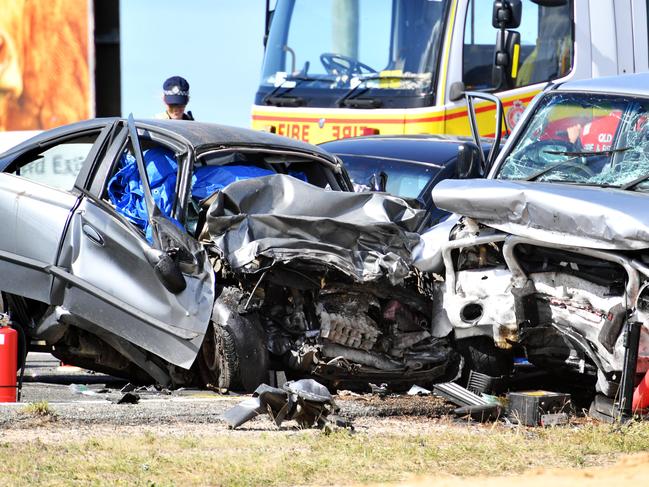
pixel 44 63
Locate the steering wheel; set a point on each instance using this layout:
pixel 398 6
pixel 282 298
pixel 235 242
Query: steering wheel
pixel 541 155
pixel 337 64
pixel 537 153
pixel 578 165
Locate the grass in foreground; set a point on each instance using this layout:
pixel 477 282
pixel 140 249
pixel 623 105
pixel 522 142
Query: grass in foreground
pixel 41 408
pixel 280 458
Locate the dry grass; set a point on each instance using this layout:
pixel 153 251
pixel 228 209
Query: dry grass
pixel 41 408
pixel 310 458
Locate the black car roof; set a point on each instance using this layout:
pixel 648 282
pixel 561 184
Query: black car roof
pixel 435 149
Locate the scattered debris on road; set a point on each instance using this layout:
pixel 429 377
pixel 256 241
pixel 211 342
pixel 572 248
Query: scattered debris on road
pixel 129 398
pixel 534 408
pixel 306 401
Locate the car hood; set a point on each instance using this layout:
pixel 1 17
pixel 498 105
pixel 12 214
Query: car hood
pixel 583 216
pixel 264 221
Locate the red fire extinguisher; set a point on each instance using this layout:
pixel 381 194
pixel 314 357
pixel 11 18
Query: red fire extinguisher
pixel 8 361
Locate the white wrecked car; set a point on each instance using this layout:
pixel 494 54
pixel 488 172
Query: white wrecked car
pixel 550 256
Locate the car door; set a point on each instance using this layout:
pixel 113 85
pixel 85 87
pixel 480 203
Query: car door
pixel 37 196
pixel 116 283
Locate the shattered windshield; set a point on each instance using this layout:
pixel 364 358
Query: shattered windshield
pixel 342 43
pixel 584 139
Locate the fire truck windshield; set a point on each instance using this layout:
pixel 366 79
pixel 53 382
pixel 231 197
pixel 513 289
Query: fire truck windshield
pixel 334 46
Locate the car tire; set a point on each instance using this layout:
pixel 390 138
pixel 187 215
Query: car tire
pixel 481 355
pixel 219 361
pixel 234 354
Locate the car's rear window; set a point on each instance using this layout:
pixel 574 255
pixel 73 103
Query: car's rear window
pixel 57 165
pixel 404 179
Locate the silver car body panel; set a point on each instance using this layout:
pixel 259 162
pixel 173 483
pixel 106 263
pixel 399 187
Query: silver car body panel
pixel 631 84
pixel 578 216
pixel 74 251
pixel 30 210
pixel 485 288
pixel 117 289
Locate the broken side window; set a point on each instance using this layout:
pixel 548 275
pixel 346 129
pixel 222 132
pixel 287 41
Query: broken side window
pixel 125 190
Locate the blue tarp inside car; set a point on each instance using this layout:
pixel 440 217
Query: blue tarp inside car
pixel 126 193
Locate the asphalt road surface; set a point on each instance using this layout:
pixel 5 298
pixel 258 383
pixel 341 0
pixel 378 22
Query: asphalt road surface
pixel 85 397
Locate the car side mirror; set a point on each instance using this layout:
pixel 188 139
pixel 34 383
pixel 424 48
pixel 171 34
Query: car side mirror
pixel 168 271
pixel 456 91
pixel 469 161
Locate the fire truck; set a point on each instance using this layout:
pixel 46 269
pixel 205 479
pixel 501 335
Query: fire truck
pixel 342 68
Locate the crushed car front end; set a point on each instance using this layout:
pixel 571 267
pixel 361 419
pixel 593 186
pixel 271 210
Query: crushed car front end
pixel 548 258
pixel 325 280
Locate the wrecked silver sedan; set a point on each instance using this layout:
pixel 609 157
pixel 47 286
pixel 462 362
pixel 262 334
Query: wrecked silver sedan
pixel 550 258
pixel 189 253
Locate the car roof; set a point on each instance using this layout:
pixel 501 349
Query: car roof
pixel 628 84
pixel 434 149
pixel 200 135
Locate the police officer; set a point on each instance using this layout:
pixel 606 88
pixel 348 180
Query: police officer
pixel 175 94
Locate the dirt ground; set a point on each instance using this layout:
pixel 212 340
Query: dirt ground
pixel 630 470
pixel 393 424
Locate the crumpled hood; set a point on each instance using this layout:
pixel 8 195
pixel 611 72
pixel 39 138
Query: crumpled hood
pixel 365 235
pixel 601 218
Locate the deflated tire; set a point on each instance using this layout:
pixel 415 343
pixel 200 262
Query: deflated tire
pixel 219 361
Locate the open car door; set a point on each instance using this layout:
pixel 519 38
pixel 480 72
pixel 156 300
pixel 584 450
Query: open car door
pixel 470 96
pixel 138 294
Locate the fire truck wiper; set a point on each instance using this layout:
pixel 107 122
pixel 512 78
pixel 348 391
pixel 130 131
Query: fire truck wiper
pixel 278 98
pixel 347 99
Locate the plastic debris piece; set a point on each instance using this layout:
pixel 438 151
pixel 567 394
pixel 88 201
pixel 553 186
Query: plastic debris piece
pixel 380 390
pixel 556 419
pixel 492 399
pixel 459 395
pixel 480 412
pixel 129 398
pixel 81 389
pixel 305 401
pixel 416 390
pixel 481 383
pixel 527 407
